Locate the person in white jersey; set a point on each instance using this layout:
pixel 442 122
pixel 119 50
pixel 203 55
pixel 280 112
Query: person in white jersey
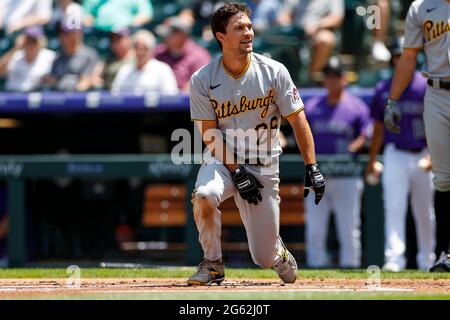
pixel 242 96
pixel 27 62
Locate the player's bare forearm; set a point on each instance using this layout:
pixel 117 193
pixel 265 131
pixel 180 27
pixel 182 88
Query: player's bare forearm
pixel 403 73
pixel 303 136
pixel 377 141
pixel 214 141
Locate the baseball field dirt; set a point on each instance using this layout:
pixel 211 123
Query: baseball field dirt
pixel 317 285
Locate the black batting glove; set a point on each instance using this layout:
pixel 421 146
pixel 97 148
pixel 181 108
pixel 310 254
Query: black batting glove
pixel 247 185
pixel 314 180
pixel 392 116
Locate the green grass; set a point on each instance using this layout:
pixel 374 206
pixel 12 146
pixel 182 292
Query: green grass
pixel 182 272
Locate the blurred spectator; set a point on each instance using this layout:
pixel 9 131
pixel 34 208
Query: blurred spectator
pixel 319 19
pixel 27 62
pixel 123 53
pixel 179 51
pixel 74 68
pixel 3 227
pixel 340 123
pixel 198 15
pixel 264 13
pixel 146 73
pixel 16 15
pixel 403 157
pixel 379 50
pixel 108 15
pixel 67 11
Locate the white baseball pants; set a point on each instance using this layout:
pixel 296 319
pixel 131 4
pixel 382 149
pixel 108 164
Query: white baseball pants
pixel 343 196
pixel 261 222
pixel 436 116
pixel 400 177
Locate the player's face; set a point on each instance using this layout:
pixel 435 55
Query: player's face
pixel 239 34
pixel 334 83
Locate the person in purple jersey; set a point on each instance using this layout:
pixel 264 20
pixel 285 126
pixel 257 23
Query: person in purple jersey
pixel 406 170
pixel 340 123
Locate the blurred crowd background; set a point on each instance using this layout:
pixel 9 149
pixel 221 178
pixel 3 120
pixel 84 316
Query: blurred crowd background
pixel 302 37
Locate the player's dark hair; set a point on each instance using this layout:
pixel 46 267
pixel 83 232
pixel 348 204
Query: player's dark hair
pixel 221 16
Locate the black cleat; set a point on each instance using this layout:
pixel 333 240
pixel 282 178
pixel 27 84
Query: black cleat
pixel 208 272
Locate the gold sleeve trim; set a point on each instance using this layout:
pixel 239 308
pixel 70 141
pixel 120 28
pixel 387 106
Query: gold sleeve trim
pixel 294 112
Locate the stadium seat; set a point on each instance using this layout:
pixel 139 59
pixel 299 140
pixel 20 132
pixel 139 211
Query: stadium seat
pixel 164 205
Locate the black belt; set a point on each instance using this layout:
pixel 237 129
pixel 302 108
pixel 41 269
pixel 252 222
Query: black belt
pixel 415 150
pixel 440 84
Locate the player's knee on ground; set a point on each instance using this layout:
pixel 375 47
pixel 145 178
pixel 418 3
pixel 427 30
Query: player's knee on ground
pixel 205 203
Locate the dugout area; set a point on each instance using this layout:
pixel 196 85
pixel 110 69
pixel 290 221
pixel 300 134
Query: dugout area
pixel 166 210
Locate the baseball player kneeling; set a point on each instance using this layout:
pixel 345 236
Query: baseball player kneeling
pixel 237 102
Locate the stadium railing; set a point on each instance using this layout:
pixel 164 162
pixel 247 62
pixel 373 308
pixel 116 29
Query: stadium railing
pixel 104 101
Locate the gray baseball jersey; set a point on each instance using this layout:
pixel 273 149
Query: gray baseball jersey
pixel 253 102
pixel 257 99
pixel 428 27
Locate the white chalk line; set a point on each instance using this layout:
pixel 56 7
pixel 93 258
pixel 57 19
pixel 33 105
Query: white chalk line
pixel 29 289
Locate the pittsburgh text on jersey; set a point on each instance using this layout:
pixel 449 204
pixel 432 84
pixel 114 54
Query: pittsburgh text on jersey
pixel 434 30
pixel 227 109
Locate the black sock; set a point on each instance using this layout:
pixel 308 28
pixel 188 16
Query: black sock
pixel 442 210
